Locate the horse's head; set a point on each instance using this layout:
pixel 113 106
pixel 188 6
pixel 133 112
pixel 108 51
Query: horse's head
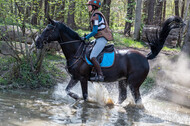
pixel 50 33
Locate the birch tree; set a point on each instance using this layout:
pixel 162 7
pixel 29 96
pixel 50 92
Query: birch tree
pixel 137 20
pixel 186 46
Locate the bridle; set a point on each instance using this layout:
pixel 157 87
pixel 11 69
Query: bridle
pixel 46 40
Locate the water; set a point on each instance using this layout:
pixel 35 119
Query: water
pixel 55 108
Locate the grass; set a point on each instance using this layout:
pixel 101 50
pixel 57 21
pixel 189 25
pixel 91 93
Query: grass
pixel 165 48
pixel 149 83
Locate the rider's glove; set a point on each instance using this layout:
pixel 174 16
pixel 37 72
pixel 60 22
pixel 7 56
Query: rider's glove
pixel 83 38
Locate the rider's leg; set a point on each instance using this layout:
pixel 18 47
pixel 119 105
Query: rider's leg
pixel 98 69
pixel 98 47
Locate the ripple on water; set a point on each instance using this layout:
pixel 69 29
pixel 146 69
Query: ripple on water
pixel 56 108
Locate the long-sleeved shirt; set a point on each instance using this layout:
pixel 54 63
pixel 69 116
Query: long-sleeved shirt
pixel 95 29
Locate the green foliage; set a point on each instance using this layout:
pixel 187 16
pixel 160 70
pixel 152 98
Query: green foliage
pixel 82 32
pixel 148 84
pixel 21 75
pixel 121 41
pixel 165 48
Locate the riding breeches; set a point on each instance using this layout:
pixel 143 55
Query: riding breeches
pixel 98 47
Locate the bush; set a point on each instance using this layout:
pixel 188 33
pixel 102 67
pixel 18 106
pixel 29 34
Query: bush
pixel 21 75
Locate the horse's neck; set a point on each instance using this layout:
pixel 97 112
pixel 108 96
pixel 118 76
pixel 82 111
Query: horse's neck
pixel 69 49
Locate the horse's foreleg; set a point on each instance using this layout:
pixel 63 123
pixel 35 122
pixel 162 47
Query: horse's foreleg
pixel 71 84
pixel 122 91
pixel 84 86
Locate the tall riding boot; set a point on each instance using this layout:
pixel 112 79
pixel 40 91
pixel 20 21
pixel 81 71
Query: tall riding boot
pixel 100 76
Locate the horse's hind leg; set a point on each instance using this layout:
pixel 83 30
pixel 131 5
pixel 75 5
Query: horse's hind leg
pixel 122 91
pixel 135 80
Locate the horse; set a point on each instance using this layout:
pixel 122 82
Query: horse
pixel 129 69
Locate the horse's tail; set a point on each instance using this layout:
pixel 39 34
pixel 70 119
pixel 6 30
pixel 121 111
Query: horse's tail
pixel 156 43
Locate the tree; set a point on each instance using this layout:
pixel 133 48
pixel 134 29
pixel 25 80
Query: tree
pixel 186 46
pixel 129 18
pixel 106 9
pixel 158 12
pixel 151 4
pixel 187 9
pixel 35 13
pixel 137 20
pixel 145 11
pixel 46 8
pixel 177 7
pixel 71 14
pixel 61 15
pixel 182 9
pixel 164 11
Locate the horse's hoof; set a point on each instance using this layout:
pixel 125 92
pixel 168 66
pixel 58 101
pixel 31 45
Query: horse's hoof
pixel 140 106
pixel 85 96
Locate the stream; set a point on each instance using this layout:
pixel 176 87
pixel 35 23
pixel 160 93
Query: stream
pixel 54 108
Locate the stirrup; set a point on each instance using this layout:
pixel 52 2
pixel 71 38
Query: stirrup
pixel 97 78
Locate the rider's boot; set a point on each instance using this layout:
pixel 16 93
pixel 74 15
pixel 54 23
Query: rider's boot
pixel 100 76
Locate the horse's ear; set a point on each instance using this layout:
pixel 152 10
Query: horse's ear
pixel 50 20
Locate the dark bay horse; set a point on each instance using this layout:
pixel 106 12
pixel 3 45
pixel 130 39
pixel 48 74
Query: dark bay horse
pixel 130 68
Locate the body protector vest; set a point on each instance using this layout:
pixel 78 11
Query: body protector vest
pixel 103 28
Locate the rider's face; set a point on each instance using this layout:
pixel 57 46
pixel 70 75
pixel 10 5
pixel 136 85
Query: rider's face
pixel 89 8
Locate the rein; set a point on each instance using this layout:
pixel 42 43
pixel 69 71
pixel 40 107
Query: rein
pixel 69 42
pixel 74 57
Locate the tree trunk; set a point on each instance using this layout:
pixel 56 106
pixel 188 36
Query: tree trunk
pixel 106 9
pixel 187 8
pixel 128 23
pixel 61 16
pixel 182 31
pixel 137 20
pixel 71 12
pixel 158 13
pixel 164 12
pixel 177 7
pixel 52 10
pixel 46 8
pixel 28 12
pixel 182 9
pixel 34 16
pixel 145 11
pixel 40 8
pixel 186 46
pixel 46 11
pixel 151 4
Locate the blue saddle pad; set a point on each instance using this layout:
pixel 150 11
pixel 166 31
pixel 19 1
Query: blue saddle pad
pixel 107 61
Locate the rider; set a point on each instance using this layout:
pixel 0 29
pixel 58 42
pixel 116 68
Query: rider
pixel 102 33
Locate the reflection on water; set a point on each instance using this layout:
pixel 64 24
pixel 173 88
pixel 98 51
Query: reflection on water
pixel 55 108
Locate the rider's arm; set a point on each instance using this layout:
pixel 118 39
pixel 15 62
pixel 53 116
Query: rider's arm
pixel 93 33
pixel 95 26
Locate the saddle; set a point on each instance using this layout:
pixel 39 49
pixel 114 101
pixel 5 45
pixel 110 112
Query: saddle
pixel 107 49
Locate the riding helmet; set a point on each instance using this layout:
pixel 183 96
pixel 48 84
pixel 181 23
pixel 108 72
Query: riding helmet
pixel 96 3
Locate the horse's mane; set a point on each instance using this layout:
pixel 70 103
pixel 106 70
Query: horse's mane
pixel 69 31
